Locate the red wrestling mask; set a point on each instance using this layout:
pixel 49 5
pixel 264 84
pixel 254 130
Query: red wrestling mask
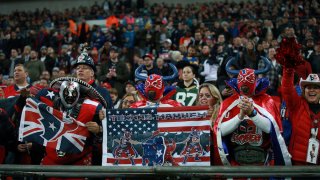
pixel 247 82
pixel 154 87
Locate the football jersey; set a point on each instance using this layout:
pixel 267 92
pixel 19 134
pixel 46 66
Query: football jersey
pixel 187 96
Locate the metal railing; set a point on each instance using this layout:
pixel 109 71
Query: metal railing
pixel 42 172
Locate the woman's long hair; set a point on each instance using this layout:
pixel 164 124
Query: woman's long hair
pixel 216 94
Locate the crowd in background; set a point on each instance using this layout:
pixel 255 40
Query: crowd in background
pixel 199 36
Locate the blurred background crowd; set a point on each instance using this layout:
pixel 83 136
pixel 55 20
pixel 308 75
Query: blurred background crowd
pixel 204 35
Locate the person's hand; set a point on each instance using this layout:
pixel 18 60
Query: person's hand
pixel 246 107
pixel 24 147
pixel 101 115
pixel 227 92
pixel 93 127
pixel 25 92
pixel 109 75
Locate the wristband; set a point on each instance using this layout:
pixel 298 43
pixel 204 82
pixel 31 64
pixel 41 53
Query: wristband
pixel 253 113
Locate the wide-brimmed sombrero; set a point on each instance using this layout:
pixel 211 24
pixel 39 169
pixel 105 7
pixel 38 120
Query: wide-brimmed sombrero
pixel 312 79
pixel 85 88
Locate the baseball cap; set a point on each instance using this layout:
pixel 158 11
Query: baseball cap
pixel 148 55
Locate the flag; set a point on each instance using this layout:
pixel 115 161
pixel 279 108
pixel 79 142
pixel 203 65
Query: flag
pixel 49 127
pixel 178 136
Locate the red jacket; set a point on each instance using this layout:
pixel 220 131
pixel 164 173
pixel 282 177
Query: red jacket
pixel 300 118
pixel 12 91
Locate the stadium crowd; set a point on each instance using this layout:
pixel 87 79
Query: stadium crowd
pixel 199 39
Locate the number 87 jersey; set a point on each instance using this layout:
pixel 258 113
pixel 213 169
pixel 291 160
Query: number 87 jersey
pixel 187 96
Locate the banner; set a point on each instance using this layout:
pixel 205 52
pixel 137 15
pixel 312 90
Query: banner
pixel 44 125
pixel 178 136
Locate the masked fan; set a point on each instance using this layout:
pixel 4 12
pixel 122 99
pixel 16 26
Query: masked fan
pixel 247 131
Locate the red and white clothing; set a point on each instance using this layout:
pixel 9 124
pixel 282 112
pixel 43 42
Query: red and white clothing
pixel 300 117
pixel 88 111
pixel 13 90
pixel 254 134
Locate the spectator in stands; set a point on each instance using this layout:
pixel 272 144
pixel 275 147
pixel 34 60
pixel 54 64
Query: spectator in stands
pixel 64 59
pixel 4 64
pixel 84 110
pixel 83 31
pixel 43 53
pixel 304 116
pixel 210 67
pixel 191 55
pixel 130 87
pixel 114 71
pixel 98 38
pixel 34 66
pixel 14 61
pixel 210 96
pixel 187 89
pixel 187 39
pixel 315 59
pixel 164 52
pixel 249 112
pixel 250 58
pixel 273 74
pixel 46 75
pixel 163 67
pixel 308 48
pixel 236 48
pixel 50 60
pixel 26 53
pixel 55 73
pixel 115 98
pixel 85 70
pixel 149 65
pixel 20 81
pixel 127 100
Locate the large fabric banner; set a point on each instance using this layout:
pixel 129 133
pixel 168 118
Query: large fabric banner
pixel 44 125
pixel 178 136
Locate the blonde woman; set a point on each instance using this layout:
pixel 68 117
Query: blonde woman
pixel 209 95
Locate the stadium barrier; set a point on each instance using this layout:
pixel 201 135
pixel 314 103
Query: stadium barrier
pixel 41 172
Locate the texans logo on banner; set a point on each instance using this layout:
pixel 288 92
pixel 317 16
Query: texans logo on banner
pixel 157 136
pixel 49 127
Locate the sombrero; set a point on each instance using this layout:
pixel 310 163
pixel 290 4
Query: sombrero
pixel 85 88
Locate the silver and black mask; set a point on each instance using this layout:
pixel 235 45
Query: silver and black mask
pixel 69 93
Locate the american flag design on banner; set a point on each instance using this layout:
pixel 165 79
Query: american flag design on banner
pixel 177 136
pixel 49 127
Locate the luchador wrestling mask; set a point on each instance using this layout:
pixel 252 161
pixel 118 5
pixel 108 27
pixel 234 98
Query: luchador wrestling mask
pixel 154 84
pixel 69 93
pixel 154 87
pixel 247 82
pixel 247 78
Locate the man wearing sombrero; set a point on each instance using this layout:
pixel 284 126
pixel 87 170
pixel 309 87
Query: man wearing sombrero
pixel 78 101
